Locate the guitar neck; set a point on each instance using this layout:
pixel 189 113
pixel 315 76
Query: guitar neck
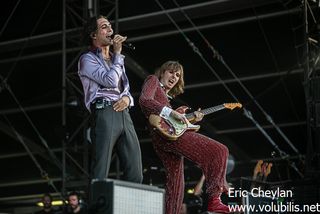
pixel 206 111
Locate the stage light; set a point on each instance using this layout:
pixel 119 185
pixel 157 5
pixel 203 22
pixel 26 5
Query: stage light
pixel 190 191
pixel 54 203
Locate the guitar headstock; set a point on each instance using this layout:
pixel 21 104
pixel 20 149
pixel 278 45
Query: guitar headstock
pixel 257 168
pixel 268 170
pixel 232 105
pixel 264 168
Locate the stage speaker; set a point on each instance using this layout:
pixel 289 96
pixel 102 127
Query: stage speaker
pixel 120 197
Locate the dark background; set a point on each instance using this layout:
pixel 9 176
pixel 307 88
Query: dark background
pixel 256 57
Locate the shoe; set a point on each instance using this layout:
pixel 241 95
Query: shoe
pixel 215 205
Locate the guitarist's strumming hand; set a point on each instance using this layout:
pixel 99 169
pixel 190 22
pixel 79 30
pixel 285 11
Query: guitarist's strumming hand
pixel 180 117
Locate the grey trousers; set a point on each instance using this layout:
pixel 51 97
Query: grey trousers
pixel 115 130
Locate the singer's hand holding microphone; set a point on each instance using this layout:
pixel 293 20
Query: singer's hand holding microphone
pixel 117 43
pixel 121 40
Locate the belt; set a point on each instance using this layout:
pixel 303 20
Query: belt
pixel 101 103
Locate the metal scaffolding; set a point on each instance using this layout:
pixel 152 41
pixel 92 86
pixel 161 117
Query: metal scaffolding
pixel 71 158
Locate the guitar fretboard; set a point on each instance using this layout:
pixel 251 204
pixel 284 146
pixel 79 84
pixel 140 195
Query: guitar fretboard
pixel 207 111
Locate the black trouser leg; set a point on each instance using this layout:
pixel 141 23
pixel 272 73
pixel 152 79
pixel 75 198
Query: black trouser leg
pixel 128 150
pixel 106 131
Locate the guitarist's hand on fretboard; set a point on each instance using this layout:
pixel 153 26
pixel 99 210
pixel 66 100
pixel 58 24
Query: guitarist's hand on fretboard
pixel 198 116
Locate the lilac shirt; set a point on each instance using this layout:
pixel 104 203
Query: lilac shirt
pixel 101 80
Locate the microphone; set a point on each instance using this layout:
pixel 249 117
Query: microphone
pixel 128 45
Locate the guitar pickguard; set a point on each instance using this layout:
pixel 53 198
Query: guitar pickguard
pixel 178 126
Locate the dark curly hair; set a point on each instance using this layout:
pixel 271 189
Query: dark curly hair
pixel 89 28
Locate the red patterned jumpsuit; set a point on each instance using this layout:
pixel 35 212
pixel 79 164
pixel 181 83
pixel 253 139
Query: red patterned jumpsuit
pixel 210 155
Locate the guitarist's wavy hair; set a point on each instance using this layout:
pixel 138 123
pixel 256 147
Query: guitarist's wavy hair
pixel 175 66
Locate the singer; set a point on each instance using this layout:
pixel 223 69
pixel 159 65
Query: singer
pixel 107 98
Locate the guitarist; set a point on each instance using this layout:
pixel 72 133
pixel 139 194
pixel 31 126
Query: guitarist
pixel 210 155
